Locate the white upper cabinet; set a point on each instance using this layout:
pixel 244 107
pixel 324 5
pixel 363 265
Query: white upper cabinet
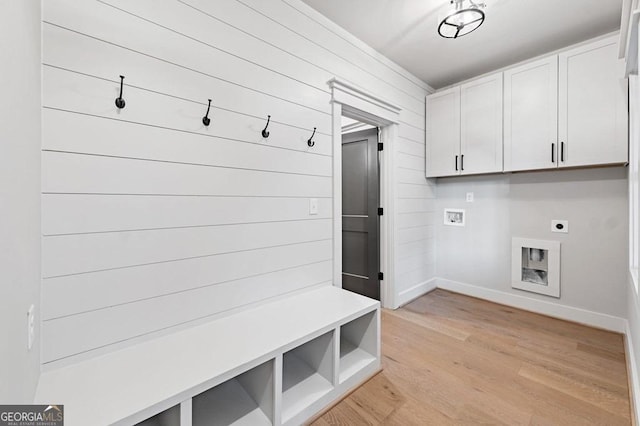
pixel 592 103
pixel 564 110
pixel 481 125
pixel 531 116
pixel 443 133
pixel 464 129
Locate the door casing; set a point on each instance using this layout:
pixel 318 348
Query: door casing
pixel 360 105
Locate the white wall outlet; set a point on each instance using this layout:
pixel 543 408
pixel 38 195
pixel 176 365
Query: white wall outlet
pixel 313 206
pixel 31 326
pixel 561 226
pixel 469 197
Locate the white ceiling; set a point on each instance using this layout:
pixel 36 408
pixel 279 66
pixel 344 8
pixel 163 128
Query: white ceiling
pixel 406 32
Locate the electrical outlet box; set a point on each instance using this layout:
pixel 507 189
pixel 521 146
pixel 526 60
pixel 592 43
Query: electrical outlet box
pixel 469 197
pixel 561 226
pixel 31 326
pixel 313 206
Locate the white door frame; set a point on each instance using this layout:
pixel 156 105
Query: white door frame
pixel 355 103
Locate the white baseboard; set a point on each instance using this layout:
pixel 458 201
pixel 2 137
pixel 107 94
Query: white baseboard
pixel 582 316
pixel 632 371
pixel 414 292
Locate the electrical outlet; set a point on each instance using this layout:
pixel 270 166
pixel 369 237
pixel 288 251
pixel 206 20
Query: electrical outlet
pixel 561 226
pixel 313 206
pixel 469 197
pixel 31 326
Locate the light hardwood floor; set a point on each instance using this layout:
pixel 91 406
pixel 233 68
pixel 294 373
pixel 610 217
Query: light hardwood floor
pixel 452 359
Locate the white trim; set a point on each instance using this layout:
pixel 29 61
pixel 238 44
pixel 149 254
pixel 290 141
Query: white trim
pixel 362 106
pixel 416 291
pixel 625 18
pixel 631 55
pixel 632 371
pixel 582 316
pixel 355 127
pixel 337 193
pixel 388 136
pixel 355 103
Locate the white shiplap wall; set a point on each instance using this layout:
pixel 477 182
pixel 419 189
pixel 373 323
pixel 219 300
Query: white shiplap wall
pixel 152 220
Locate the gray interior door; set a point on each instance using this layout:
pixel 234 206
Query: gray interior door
pixel 360 221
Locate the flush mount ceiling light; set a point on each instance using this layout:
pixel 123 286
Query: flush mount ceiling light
pixel 462 20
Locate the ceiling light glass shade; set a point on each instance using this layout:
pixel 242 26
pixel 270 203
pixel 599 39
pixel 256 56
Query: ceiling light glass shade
pixel 461 21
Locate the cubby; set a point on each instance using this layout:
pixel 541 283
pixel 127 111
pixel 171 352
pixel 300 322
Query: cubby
pixel 358 345
pixel 246 399
pixel 307 374
pixel 170 417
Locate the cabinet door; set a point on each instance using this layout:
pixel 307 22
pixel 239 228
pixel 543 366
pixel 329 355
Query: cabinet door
pixel 531 116
pixel 443 133
pixel 481 125
pixel 592 116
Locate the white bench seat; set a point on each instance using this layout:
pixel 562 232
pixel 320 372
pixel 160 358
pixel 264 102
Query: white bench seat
pixel 132 384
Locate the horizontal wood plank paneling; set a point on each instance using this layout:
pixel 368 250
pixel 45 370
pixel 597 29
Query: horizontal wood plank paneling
pixel 84 332
pixel 68 133
pixel 412 133
pixel 412 205
pixel 414 262
pixel 91 213
pixel 408 146
pixel 426 248
pixel 221 37
pixel 411 176
pixel 81 253
pixel 413 220
pixel 408 235
pixel 152 220
pixel 91 174
pixel 412 190
pixel 409 279
pixel 113 287
pixel 107 23
pixel 249 16
pixel 83 94
pixel 85 54
pixel 411 162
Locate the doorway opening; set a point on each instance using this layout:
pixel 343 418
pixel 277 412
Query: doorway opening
pixel 357 104
pixel 361 208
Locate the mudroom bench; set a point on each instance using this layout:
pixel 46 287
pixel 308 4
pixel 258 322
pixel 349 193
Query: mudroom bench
pixel 278 363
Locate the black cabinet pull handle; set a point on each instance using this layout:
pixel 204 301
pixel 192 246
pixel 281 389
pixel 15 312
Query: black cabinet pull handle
pixel 462 162
pixel 456 163
pixel 553 152
pixel 562 151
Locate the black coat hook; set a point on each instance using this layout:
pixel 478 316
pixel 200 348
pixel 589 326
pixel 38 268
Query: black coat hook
pixel 310 142
pixel 206 120
pixel 119 100
pixel 265 133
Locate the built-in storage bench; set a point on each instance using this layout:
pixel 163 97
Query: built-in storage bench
pixel 275 364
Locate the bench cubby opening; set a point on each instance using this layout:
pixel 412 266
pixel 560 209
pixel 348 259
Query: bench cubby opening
pixel 358 344
pixel 170 417
pixel 307 374
pixel 247 399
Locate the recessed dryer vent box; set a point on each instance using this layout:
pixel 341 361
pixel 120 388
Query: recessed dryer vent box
pixel 535 266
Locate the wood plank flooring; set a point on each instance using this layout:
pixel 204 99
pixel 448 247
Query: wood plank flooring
pixel 450 359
